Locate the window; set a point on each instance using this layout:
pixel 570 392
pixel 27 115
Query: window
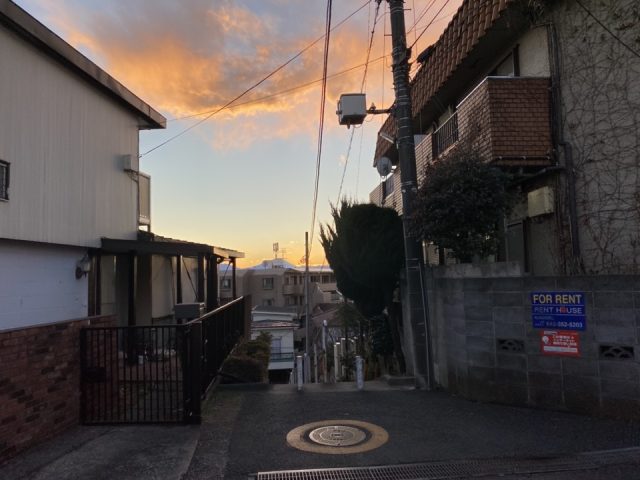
pixel 267 283
pixel 325 279
pixel 314 279
pixel 226 283
pixel 267 302
pixel 4 180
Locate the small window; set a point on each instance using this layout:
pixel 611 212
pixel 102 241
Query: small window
pixel 267 302
pixel 267 283
pixel 4 180
pixel 226 283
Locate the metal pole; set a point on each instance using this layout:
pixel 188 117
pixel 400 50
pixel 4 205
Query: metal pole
pixel 306 292
pixel 336 361
pixel 324 351
pixel 299 378
pixel 359 373
pixel 408 181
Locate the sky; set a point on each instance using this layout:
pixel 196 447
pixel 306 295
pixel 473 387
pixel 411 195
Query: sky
pixel 244 178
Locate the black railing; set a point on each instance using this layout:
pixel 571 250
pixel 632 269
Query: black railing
pixel 221 330
pixel 445 136
pixel 156 374
pixel 134 374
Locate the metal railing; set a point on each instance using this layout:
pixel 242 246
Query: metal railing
pixel 281 357
pixel 156 374
pixel 134 374
pixel 445 136
pixel 221 329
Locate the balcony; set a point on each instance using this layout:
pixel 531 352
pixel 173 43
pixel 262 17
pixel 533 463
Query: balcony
pixel 506 120
pixel 293 289
pixel 281 360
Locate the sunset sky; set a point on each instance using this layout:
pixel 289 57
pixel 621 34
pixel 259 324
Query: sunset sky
pixel 245 177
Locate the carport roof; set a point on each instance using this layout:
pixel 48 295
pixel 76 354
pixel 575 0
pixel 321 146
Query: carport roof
pixel 149 243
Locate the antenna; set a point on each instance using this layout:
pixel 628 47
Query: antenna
pixel 276 247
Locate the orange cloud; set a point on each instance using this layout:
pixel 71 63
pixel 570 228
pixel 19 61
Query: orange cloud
pixel 190 57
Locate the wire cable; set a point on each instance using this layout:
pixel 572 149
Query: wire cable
pixel 253 87
pixel 323 98
pixel 430 23
pixel 362 86
pixel 281 92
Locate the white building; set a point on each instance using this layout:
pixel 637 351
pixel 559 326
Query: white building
pixel 281 323
pixel 68 171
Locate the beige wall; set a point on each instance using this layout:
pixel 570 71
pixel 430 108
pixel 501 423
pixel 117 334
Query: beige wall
pixel 600 116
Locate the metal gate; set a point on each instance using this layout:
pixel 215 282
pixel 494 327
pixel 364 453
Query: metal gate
pixel 156 374
pixel 136 374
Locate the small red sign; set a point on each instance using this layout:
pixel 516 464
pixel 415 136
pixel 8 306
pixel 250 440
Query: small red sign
pixel 560 342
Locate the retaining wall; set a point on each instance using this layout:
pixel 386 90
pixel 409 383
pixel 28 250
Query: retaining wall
pixel 486 348
pixel 40 382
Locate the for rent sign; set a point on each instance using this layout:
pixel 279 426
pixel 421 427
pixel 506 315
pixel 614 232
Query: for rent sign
pixel 558 310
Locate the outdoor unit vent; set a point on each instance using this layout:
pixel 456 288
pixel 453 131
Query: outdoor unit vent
pixel 540 201
pixel 188 311
pixel 130 163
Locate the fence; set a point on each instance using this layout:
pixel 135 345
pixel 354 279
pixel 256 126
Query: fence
pixel 156 374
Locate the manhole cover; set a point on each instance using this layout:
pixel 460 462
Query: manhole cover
pixel 337 435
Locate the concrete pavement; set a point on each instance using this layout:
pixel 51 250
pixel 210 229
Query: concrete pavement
pixel 244 432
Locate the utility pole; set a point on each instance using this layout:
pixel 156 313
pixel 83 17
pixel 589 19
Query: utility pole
pixel 416 297
pixel 306 304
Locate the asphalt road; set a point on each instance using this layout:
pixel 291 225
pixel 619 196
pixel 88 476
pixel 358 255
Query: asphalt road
pixel 244 432
pixel 422 427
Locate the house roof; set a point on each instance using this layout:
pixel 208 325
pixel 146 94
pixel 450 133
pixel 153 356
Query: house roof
pixel 16 19
pixel 452 58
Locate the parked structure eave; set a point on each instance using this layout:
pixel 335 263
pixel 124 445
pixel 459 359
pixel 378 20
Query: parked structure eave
pixel 164 246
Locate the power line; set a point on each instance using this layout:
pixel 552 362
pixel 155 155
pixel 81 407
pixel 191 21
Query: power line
pixel 429 24
pixel 624 44
pixel 362 85
pixel 282 92
pixel 254 86
pixel 323 98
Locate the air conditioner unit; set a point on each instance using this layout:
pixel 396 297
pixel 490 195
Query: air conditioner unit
pixel 540 202
pixel 130 163
pixel 188 311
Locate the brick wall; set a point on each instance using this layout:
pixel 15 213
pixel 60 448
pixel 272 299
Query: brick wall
pixel 40 382
pixel 485 346
pixel 508 117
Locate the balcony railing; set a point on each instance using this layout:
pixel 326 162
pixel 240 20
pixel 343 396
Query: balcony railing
pixel 281 357
pixel 445 136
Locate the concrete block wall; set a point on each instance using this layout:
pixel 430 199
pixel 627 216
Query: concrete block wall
pixel 485 346
pixel 40 382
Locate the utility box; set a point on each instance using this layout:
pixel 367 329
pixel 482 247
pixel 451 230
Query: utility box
pixel 188 311
pixel 130 163
pixel 540 202
pixel 352 108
